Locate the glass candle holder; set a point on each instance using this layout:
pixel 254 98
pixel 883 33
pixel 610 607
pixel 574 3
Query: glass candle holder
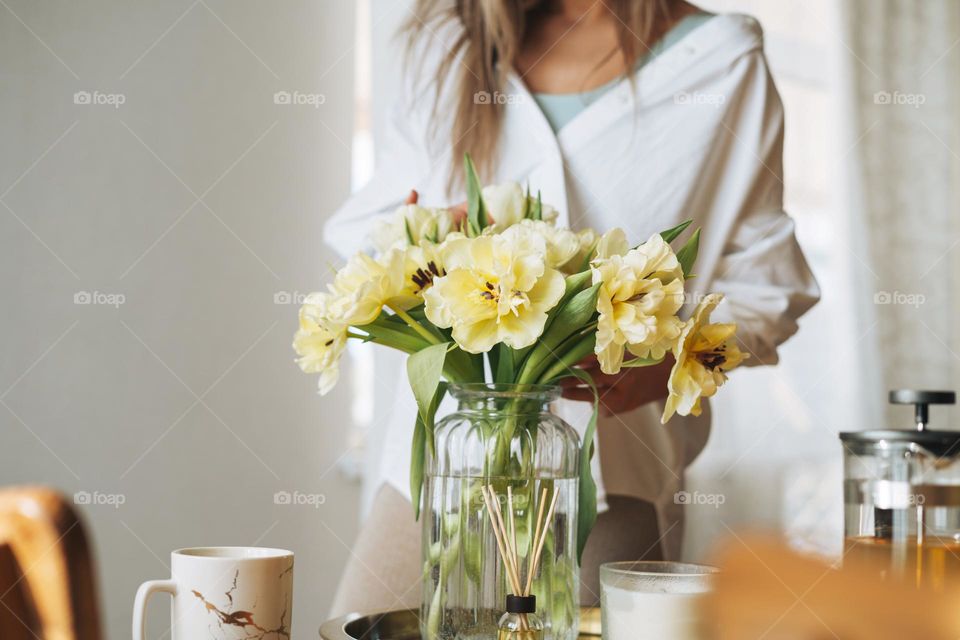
pixel 652 600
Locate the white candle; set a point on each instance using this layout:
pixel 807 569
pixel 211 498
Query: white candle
pixel 657 602
pixel 631 615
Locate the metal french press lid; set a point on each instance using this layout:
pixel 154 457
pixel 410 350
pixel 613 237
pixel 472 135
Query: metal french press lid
pixel 940 443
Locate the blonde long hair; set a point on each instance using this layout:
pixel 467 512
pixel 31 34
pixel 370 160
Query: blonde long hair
pixel 491 32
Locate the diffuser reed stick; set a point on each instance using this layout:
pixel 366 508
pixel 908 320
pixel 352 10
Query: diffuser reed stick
pixel 505 531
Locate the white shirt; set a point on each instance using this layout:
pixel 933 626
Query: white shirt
pixel 699 134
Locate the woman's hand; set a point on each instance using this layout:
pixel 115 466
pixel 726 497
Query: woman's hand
pixel 631 388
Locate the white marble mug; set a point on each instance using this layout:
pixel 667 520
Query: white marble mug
pixel 224 593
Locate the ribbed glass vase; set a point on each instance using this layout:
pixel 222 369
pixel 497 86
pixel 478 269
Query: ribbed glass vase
pixel 501 435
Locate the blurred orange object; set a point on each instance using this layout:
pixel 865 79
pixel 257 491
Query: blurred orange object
pixel 766 590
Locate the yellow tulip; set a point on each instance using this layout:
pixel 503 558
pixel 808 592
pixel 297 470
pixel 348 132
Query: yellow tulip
pixel 562 244
pixel 612 243
pixel 497 288
pixel 587 240
pixel 318 342
pixel 505 203
pixel 704 354
pixel 421 266
pixel 641 291
pixel 361 288
pixel 411 221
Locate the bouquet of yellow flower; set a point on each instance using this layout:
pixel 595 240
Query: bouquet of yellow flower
pixel 535 299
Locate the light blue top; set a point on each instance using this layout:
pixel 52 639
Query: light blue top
pixel 561 108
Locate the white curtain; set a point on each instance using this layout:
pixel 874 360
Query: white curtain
pixel 903 97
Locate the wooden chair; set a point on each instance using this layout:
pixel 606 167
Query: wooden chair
pixel 765 590
pixel 47 588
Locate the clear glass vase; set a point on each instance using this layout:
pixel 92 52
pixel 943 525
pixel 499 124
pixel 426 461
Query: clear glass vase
pixel 501 435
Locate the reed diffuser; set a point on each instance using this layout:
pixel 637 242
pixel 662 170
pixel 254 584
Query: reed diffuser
pixel 520 621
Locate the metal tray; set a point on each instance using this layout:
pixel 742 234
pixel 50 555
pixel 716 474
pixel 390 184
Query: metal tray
pixel 405 625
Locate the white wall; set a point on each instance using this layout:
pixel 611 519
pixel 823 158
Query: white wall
pixel 198 200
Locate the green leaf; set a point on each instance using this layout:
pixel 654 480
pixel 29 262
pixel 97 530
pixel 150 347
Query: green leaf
pixel 476 209
pixel 688 253
pixel 589 256
pixel 672 234
pixel 394 336
pixel 526 203
pixel 406 227
pixel 575 283
pixel 493 357
pixel 575 349
pixel 418 453
pixel 587 514
pixel 504 371
pixel 537 213
pixel 424 369
pixel 418 313
pixel 573 316
pixel 422 447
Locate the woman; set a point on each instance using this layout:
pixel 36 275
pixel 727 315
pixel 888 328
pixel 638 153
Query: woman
pixel 630 113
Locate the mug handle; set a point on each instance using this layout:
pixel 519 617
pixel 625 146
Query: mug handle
pixel 146 590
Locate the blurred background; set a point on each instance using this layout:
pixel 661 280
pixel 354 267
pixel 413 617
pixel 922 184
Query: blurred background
pixel 166 171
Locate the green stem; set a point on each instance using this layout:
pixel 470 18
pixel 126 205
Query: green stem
pixel 542 356
pixel 413 324
pixel 575 354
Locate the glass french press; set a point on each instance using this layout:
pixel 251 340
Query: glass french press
pixel 902 497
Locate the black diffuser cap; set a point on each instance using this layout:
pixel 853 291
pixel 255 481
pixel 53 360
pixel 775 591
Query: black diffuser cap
pixel 521 604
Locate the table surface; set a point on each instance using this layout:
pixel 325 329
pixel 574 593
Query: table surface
pixel 405 625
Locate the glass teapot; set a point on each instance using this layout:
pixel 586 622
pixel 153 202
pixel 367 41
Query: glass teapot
pixel 902 497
